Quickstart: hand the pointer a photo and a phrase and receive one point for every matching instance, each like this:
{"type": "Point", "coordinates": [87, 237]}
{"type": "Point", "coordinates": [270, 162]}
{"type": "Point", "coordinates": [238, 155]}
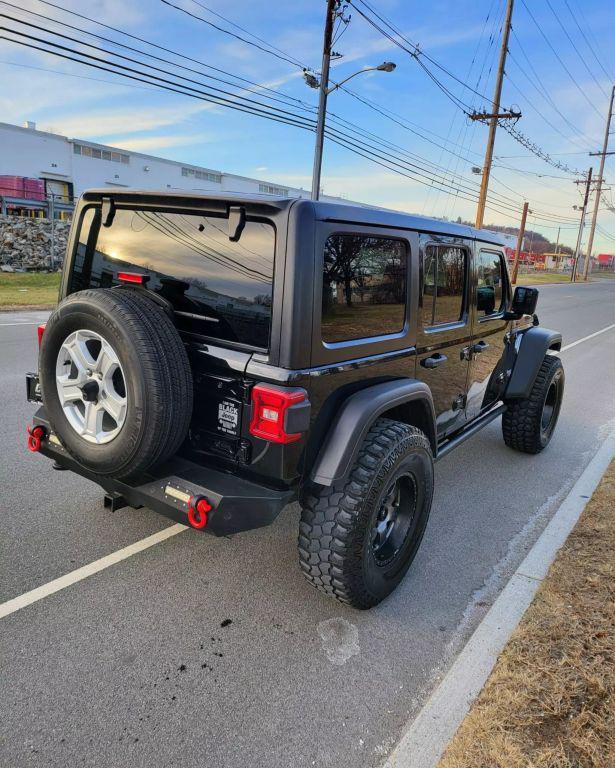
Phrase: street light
{"type": "Point", "coordinates": [325, 90]}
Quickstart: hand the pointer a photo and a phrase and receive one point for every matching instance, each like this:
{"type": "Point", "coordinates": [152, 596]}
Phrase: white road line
{"type": "Point", "coordinates": [88, 570]}
{"type": "Point", "coordinates": [428, 735]}
{"type": "Point", "coordinates": [586, 338]}
{"type": "Point", "coordinates": [26, 322]}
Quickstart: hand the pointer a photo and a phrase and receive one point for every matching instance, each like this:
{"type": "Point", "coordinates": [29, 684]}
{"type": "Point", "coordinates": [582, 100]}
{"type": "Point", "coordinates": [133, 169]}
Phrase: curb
{"type": "Point", "coordinates": [426, 737]}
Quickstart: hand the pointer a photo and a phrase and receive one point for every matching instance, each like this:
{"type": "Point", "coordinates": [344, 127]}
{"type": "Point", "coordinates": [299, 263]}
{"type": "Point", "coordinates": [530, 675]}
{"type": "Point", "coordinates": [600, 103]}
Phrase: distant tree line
{"type": "Point", "coordinates": [539, 243]}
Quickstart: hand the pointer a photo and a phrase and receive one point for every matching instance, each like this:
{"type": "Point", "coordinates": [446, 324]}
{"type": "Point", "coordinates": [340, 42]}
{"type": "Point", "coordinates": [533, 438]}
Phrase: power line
{"type": "Point", "coordinates": [358, 146]}
{"type": "Point", "coordinates": [251, 102]}
{"type": "Point", "coordinates": [573, 44]}
{"type": "Point", "coordinates": [138, 39]}
{"type": "Point", "coordinates": [236, 105]}
{"type": "Point", "coordinates": [559, 58]}
{"type": "Point", "coordinates": [98, 48]}
{"type": "Point", "coordinates": [532, 106]}
{"type": "Point", "coordinates": [243, 29]}
{"type": "Point", "coordinates": [538, 84]}
{"type": "Point", "coordinates": [536, 150]}
{"type": "Point", "coordinates": [247, 105]}
{"type": "Point", "coordinates": [589, 45]}
{"type": "Point", "coordinates": [416, 52]}
{"type": "Point", "coordinates": [212, 92]}
{"type": "Point", "coordinates": [269, 51]}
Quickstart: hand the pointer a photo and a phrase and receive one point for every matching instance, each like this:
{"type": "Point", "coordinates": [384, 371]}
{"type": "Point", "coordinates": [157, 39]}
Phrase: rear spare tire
{"type": "Point", "coordinates": [115, 381]}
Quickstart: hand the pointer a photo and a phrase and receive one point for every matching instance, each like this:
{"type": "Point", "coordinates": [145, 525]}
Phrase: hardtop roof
{"type": "Point", "coordinates": [324, 210]}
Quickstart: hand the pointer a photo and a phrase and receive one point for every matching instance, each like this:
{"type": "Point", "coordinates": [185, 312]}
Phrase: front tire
{"type": "Point", "coordinates": [528, 424]}
{"type": "Point", "coordinates": [358, 537]}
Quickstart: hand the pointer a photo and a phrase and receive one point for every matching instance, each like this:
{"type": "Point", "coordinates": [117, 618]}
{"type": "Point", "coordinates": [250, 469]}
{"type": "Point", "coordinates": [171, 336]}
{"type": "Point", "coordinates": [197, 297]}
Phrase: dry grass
{"type": "Point", "coordinates": [550, 701]}
{"type": "Point", "coordinates": [361, 320]}
{"type": "Point", "coordinates": [28, 289]}
{"type": "Point", "coordinates": [540, 278]}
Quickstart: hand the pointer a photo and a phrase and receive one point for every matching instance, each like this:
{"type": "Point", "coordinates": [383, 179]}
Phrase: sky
{"type": "Point", "coordinates": [561, 89]}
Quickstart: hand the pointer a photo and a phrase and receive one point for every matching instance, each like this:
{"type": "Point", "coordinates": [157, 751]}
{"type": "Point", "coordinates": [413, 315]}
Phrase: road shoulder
{"type": "Point", "coordinates": [429, 734]}
{"type": "Point", "coordinates": [551, 698]}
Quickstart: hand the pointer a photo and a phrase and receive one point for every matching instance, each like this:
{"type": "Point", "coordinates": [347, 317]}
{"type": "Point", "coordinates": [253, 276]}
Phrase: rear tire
{"type": "Point", "coordinates": [528, 424]}
{"type": "Point", "coordinates": [358, 537]}
{"type": "Point", "coordinates": [156, 380]}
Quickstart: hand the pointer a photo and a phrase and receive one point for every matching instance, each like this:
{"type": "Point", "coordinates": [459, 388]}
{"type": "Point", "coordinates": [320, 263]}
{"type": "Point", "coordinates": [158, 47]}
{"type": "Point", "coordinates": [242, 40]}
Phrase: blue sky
{"type": "Point", "coordinates": [461, 36]}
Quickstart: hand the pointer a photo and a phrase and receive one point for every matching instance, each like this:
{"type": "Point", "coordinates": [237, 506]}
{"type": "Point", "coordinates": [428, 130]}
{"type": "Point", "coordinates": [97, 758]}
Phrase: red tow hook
{"type": "Point", "coordinates": [198, 507]}
{"type": "Point", "coordinates": [35, 436]}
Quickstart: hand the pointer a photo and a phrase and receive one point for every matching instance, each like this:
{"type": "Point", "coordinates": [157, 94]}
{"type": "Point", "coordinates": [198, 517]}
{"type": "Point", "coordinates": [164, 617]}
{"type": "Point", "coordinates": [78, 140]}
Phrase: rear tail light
{"type": "Point", "coordinates": [136, 278]}
{"type": "Point", "coordinates": [279, 415]}
{"type": "Point", "coordinates": [40, 330]}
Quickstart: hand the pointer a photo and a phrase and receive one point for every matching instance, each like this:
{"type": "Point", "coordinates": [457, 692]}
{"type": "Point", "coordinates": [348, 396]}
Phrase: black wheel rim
{"type": "Point", "coordinates": [395, 519]}
{"type": "Point", "coordinates": [550, 407]}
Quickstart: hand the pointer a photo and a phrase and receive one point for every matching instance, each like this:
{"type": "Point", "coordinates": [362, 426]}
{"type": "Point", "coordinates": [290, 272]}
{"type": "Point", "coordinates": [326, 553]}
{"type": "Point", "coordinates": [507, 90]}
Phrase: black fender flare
{"type": "Point", "coordinates": [356, 416]}
{"type": "Point", "coordinates": [533, 346]}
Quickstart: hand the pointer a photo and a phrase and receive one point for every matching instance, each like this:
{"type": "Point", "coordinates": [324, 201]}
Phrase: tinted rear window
{"type": "Point", "coordinates": [218, 288]}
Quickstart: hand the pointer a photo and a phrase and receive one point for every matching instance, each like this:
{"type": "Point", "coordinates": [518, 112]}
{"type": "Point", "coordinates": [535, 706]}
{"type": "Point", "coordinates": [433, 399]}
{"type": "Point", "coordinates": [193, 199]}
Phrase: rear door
{"type": "Point", "coordinates": [220, 291]}
{"type": "Point", "coordinates": [489, 300]}
{"type": "Point", "coordinates": [445, 327]}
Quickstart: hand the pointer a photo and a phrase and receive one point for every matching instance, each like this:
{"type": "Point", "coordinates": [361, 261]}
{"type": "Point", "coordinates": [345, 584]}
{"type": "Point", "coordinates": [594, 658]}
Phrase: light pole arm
{"type": "Point", "coordinates": [346, 79]}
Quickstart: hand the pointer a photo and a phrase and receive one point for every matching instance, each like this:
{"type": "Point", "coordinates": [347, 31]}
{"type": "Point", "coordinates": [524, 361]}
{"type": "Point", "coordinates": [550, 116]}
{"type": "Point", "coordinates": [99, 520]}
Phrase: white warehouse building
{"type": "Point", "coordinates": [66, 167]}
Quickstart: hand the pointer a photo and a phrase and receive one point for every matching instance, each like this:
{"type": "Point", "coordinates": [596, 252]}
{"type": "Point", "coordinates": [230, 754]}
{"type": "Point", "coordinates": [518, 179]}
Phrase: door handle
{"type": "Point", "coordinates": [434, 361]}
{"type": "Point", "coordinates": [479, 347]}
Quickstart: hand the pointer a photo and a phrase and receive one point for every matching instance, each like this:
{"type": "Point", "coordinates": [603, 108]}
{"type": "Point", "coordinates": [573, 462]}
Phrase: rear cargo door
{"type": "Point", "coordinates": [220, 290]}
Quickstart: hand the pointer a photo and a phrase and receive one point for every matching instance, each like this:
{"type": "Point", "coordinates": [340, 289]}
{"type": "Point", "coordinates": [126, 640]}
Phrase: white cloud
{"type": "Point", "coordinates": [152, 144]}
{"type": "Point", "coordinates": [112, 122]}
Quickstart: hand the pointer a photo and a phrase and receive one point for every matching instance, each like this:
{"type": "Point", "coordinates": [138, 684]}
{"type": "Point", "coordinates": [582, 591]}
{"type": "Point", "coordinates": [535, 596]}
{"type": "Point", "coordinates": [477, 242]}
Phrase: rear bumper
{"type": "Point", "coordinates": [237, 504]}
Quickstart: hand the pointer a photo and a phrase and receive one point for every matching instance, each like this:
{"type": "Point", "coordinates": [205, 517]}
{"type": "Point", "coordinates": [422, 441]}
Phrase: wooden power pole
{"type": "Point", "coordinates": [519, 243]}
{"type": "Point", "coordinates": [577, 250]}
{"type": "Point", "coordinates": [603, 154]}
{"type": "Point", "coordinates": [493, 117]}
{"type": "Point", "coordinates": [322, 99]}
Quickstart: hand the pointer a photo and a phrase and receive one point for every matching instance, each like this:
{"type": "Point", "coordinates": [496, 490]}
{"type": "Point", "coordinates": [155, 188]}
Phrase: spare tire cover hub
{"type": "Point", "coordinates": [91, 386]}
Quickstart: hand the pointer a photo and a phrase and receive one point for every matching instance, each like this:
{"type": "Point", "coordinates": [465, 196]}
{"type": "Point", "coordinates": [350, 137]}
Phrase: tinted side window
{"type": "Point", "coordinates": [218, 288]}
{"type": "Point", "coordinates": [364, 287]}
{"type": "Point", "coordinates": [490, 270]}
{"type": "Point", "coordinates": [444, 271]}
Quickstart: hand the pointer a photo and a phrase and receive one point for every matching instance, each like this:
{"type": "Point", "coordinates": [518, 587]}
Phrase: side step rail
{"type": "Point", "coordinates": [475, 427]}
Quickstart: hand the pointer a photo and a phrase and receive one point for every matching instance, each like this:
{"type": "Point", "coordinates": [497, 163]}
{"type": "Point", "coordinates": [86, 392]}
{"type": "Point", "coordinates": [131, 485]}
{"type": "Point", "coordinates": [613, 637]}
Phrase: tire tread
{"type": "Point", "coordinates": [332, 519]}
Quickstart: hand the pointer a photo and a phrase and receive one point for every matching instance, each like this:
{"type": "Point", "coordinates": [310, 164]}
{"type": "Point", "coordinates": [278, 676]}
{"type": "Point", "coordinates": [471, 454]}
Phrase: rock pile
{"type": "Point", "coordinates": [26, 243]}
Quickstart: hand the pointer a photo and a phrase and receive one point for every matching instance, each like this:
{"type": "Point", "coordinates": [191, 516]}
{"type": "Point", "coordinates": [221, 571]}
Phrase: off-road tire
{"type": "Point", "coordinates": [522, 421]}
{"type": "Point", "coordinates": [335, 550]}
{"type": "Point", "coordinates": [157, 371]}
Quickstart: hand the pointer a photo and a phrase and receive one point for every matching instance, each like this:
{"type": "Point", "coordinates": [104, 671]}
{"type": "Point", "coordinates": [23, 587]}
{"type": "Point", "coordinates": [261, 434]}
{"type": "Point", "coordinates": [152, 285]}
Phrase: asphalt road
{"type": "Point", "coordinates": [131, 667]}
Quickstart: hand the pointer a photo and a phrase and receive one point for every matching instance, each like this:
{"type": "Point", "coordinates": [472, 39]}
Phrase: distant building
{"type": "Point", "coordinates": [65, 167]}
{"type": "Point", "coordinates": [605, 261]}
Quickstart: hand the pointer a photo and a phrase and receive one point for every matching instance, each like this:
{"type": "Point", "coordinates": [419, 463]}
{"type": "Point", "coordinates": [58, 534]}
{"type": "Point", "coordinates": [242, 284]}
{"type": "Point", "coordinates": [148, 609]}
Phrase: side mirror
{"type": "Point", "coordinates": [485, 299]}
{"type": "Point", "coordinates": [523, 303]}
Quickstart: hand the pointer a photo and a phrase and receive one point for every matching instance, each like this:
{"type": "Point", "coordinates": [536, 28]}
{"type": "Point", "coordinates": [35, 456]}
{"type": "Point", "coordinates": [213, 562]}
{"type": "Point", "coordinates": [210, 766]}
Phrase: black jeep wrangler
{"type": "Point", "coordinates": [215, 358]}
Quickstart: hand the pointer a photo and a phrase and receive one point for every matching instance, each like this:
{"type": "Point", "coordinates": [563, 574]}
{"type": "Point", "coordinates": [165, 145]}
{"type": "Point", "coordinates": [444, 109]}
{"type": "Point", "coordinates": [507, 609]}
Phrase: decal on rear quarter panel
{"type": "Point", "coordinates": [228, 418]}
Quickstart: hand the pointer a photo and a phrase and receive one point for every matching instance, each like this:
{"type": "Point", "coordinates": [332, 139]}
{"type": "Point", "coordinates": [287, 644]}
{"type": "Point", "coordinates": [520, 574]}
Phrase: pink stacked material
{"type": "Point", "coordinates": [19, 186]}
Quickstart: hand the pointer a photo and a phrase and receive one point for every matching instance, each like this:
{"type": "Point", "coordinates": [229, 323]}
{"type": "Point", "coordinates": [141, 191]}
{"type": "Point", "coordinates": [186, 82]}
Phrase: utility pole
{"type": "Point", "coordinates": [577, 250]}
{"type": "Point", "coordinates": [494, 117]}
{"type": "Point", "coordinates": [322, 99]}
{"type": "Point", "coordinates": [603, 154]}
{"type": "Point", "coordinates": [52, 214]}
{"type": "Point", "coordinates": [519, 243]}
